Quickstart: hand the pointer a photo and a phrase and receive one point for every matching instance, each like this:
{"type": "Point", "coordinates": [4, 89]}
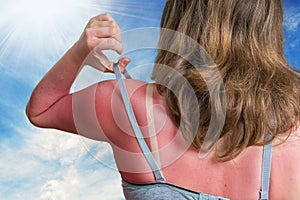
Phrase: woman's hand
{"type": "Point", "coordinates": [51, 97]}
{"type": "Point", "coordinates": [101, 33]}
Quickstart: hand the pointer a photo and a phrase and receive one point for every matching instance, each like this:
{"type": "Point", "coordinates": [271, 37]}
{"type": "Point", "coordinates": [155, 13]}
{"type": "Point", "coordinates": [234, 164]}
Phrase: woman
{"type": "Point", "coordinates": [262, 95]}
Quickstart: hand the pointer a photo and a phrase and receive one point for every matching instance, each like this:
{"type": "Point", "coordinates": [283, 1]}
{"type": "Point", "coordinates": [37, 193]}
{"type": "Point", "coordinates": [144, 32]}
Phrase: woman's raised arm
{"type": "Point", "coordinates": [50, 105]}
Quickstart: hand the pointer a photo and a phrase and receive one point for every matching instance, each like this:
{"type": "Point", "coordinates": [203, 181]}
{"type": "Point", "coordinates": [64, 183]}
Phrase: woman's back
{"type": "Point", "coordinates": [239, 178]}
{"type": "Point", "coordinates": [256, 93]}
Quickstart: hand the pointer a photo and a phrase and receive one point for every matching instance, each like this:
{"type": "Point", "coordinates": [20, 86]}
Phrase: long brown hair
{"type": "Point", "coordinates": [244, 39]}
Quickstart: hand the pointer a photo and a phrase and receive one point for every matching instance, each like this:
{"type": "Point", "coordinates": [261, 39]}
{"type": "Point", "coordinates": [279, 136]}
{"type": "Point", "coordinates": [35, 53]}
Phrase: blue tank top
{"type": "Point", "coordinates": [160, 189]}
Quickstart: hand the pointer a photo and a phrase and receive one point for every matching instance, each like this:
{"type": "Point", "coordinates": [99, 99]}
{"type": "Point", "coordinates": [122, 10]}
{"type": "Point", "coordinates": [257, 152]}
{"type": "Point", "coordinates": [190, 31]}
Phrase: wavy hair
{"type": "Point", "coordinates": [244, 39]}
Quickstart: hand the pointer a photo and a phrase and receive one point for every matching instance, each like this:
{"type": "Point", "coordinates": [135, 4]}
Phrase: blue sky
{"type": "Point", "coordinates": [49, 164]}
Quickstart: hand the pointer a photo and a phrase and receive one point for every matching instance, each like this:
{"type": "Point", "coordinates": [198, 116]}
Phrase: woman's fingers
{"type": "Point", "coordinates": [103, 32]}
{"type": "Point", "coordinates": [97, 60]}
{"type": "Point", "coordinates": [103, 17]}
{"type": "Point", "coordinates": [102, 63]}
{"type": "Point", "coordinates": [123, 62]}
{"type": "Point", "coordinates": [100, 27]}
{"type": "Point", "coordinates": [104, 26]}
{"type": "Point", "coordinates": [108, 44]}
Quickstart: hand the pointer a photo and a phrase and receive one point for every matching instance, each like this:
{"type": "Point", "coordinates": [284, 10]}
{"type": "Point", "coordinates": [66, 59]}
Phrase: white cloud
{"type": "Point", "coordinates": [50, 145]}
{"type": "Point", "coordinates": [50, 165]}
{"type": "Point", "coordinates": [78, 185]}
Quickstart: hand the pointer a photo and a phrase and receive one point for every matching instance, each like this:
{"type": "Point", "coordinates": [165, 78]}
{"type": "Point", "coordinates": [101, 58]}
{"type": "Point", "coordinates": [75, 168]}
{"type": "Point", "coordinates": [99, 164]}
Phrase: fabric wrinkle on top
{"type": "Point", "coordinates": [161, 190]}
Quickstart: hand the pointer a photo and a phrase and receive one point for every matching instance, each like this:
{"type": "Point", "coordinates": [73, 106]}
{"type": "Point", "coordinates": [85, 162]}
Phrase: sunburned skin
{"type": "Point", "coordinates": [97, 112]}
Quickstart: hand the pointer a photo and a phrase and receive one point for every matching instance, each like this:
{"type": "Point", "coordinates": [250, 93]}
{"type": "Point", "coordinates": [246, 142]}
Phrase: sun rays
{"type": "Point", "coordinates": [38, 32]}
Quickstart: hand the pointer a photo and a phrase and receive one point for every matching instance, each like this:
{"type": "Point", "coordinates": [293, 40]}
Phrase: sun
{"type": "Point", "coordinates": [39, 29]}
{"type": "Point", "coordinates": [36, 33]}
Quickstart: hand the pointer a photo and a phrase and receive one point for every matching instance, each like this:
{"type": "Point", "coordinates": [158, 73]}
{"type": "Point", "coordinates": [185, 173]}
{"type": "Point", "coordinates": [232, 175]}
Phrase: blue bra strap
{"type": "Point", "coordinates": [266, 170]}
{"type": "Point", "coordinates": [136, 129]}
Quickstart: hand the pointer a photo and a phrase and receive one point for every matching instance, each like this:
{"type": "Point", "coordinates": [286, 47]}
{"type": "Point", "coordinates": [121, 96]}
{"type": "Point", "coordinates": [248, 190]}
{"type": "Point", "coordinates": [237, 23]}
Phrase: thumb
{"type": "Point", "coordinates": [123, 62]}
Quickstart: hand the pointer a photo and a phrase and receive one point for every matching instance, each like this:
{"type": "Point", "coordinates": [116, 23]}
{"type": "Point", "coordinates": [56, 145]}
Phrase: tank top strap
{"type": "Point", "coordinates": [266, 169]}
{"type": "Point", "coordinates": [136, 129]}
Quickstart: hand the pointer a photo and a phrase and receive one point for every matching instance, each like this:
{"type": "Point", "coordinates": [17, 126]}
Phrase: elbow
{"type": "Point", "coordinates": [31, 117]}
{"type": "Point", "coordinates": [28, 113]}
{"type": "Point", "coordinates": [35, 121]}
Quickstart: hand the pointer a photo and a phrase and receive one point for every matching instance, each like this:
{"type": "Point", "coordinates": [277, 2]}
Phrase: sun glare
{"type": "Point", "coordinates": [39, 29]}
{"type": "Point", "coordinates": [37, 32]}
{"type": "Point", "coordinates": [40, 13]}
